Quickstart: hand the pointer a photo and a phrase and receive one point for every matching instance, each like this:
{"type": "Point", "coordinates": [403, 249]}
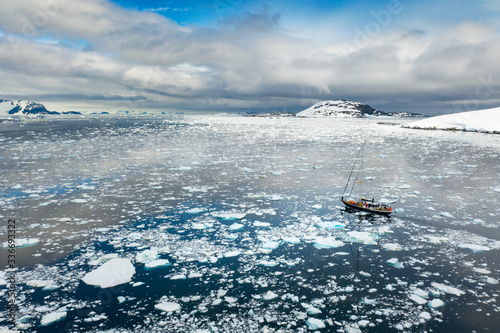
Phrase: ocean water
{"type": "Point", "coordinates": [247, 213]}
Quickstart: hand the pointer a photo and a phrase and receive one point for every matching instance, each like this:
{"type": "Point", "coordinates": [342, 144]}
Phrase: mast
{"type": "Point", "coordinates": [359, 156]}
{"type": "Point", "coordinates": [352, 170]}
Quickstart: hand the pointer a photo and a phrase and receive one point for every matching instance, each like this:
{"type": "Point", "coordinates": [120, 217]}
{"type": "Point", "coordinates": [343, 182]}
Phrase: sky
{"type": "Point", "coordinates": [429, 57]}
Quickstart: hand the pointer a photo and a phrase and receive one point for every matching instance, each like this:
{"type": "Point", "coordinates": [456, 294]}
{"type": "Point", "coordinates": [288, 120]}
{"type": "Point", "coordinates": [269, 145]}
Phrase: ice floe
{"type": "Point", "coordinates": [112, 273]}
{"type": "Point", "coordinates": [168, 306]}
{"type": "Point", "coordinates": [53, 317]}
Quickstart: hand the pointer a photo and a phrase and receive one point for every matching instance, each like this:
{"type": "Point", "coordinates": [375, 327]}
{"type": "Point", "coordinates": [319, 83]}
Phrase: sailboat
{"type": "Point", "coordinates": [363, 204]}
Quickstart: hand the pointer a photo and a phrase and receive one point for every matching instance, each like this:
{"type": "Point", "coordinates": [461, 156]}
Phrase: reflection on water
{"type": "Point", "coordinates": [285, 255]}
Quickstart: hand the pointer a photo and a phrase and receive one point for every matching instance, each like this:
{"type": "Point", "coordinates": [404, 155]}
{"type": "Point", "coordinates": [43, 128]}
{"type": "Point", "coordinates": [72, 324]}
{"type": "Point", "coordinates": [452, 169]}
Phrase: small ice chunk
{"type": "Point", "coordinates": [146, 256]}
{"type": "Point", "coordinates": [236, 226]}
{"type": "Point", "coordinates": [39, 283]}
{"type": "Point", "coordinates": [179, 277]}
{"type": "Point", "coordinates": [168, 306]}
{"type": "Point", "coordinates": [270, 245]}
{"type": "Point", "coordinates": [392, 247]}
{"type": "Point", "coordinates": [327, 242]}
{"type": "Point", "coordinates": [363, 323]}
{"type": "Point", "coordinates": [446, 214]}
{"type": "Point", "coordinates": [417, 299]}
{"type": "Point", "coordinates": [121, 299]}
{"type": "Point", "coordinates": [195, 210]}
{"type": "Point", "coordinates": [230, 299]}
{"type": "Point", "coordinates": [232, 254]}
{"type": "Point", "coordinates": [229, 216]}
{"type": "Point", "coordinates": [53, 317]}
{"type": "Point", "coordinates": [447, 289]}
{"type": "Point", "coordinates": [268, 263]}
{"type": "Point", "coordinates": [157, 263]}
{"type": "Point", "coordinates": [491, 280]}
{"type": "Point", "coordinates": [425, 316]}
{"type": "Point", "coordinates": [198, 226]}
{"type": "Point", "coordinates": [112, 273]}
{"type": "Point", "coordinates": [435, 303]}
{"type": "Point", "coordinates": [330, 225]}
{"type": "Point", "coordinates": [395, 262]}
{"type": "Point", "coordinates": [363, 237]}
{"type": "Point", "coordinates": [315, 324]}
{"type": "Point", "coordinates": [22, 242]}
{"type": "Point", "coordinates": [436, 239]}
{"type": "Point", "coordinates": [481, 270]}
{"type": "Point", "coordinates": [261, 224]}
{"type": "Point", "coordinates": [475, 248]}
{"type": "Point", "coordinates": [194, 275]}
{"type": "Point", "coordinates": [269, 296]}
{"type": "Point", "coordinates": [291, 240]}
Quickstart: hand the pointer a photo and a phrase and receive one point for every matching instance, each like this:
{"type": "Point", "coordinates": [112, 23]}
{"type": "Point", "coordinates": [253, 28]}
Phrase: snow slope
{"type": "Point", "coordinates": [487, 120]}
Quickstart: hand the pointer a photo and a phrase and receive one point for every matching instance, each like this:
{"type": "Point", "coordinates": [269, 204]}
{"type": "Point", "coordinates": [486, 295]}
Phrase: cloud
{"type": "Point", "coordinates": [250, 60]}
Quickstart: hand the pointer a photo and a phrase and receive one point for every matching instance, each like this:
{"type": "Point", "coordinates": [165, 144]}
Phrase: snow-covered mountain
{"type": "Point", "coordinates": [11, 108]}
{"type": "Point", "coordinates": [487, 120]}
{"type": "Point", "coordinates": [340, 108]}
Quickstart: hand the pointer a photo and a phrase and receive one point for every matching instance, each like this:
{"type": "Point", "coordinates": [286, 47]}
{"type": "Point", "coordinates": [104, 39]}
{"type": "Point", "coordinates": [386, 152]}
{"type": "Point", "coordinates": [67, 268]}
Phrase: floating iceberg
{"type": "Point", "coordinates": [363, 237]}
{"type": "Point", "coordinates": [146, 256]}
{"type": "Point", "coordinates": [447, 289]}
{"type": "Point", "coordinates": [327, 242]}
{"type": "Point", "coordinates": [157, 263]}
{"type": "Point", "coordinates": [475, 248]}
{"type": "Point", "coordinates": [236, 226]}
{"type": "Point", "coordinates": [270, 245]}
{"type": "Point", "coordinates": [229, 216]}
{"type": "Point", "coordinates": [315, 324]}
{"type": "Point", "coordinates": [22, 242]}
{"type": "Point", "coordinates": [53, 317]}
{"type": "Point", "coordinates": [168, 306]}
{"type": "Point", "coordinates": [269, 296]}
{"type": "Point", "coordinates": [112, 273]}
{"type": "Point", "coordinates": [331, 225]}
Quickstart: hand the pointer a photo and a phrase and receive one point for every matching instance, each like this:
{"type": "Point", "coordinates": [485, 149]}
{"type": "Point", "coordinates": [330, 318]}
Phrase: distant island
{"type": "Point", "coordinates": [339, 108]}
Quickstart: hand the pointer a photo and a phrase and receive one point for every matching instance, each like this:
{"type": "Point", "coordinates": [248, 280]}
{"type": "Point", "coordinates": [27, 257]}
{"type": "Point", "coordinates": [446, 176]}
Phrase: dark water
{"type": "Point", "coordinates": [90, 187]}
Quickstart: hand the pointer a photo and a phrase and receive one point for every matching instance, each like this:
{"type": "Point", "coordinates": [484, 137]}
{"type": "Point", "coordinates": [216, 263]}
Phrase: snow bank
{"type": "Point", "coordinates": [112, 273]}
{"type": "Point", "coordinates": [482, 120]}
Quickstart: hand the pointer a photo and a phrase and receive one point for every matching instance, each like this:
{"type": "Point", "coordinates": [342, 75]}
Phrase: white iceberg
{"type": "Point", "coordinates": [157, 263]}
{"type": "Point", "coordinates": [112, 273]}
{"type": "Point", "coordinates": [269, 296]}
{"type": "Point", "coordinates": [363, 237]}
{"type": "Point", "coordinates": [229, 216]}
{"type": "Point", "coordinates": [168, 306]}
{"type": "Point", "coordinates": [475, 248]}
{"type": "Point", "coordinates": [146, 256]}
{"type": "Point", "coordinates": [53, 317]}
{"type": "Point", "coordinates": [270, 245]}
{"type": "Point", "coordinates": [236, 226]}
{"type": "Point", "coordinates": [315, 324]}
{"type": "Point", "coordinates": [327, 242]}
{"type": "Point", "coordinates": [448, 289]}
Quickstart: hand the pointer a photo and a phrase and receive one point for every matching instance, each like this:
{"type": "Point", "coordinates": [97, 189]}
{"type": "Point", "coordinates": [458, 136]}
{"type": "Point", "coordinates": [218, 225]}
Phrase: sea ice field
{"type": "Point", "coordinates": [213, 223]}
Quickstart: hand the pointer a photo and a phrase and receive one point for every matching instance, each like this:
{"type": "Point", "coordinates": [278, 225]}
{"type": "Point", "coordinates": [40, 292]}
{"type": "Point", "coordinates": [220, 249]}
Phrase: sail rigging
{"type": "Point", "coordinates": [363, 204]}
